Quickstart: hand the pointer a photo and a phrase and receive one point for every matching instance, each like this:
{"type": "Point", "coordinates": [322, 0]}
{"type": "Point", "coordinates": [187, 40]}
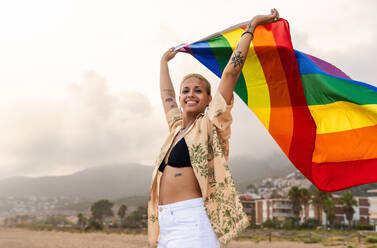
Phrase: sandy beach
{"type": "Point", "coordinates": [23, 238]}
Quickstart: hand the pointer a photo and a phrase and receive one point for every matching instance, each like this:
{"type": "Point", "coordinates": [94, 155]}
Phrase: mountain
{"type": "Point", "coordinates": [110, 181]}
{"type": "Point", "coordinates": [246, 170]}
{"type": "Point", "coordinates": [117, 181]}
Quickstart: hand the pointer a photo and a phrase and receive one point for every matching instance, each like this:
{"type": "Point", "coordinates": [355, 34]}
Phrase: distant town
{"type": "Point", "coordinates": [294, 198]}
{"type": "Point", "coordinates": [279, 202]}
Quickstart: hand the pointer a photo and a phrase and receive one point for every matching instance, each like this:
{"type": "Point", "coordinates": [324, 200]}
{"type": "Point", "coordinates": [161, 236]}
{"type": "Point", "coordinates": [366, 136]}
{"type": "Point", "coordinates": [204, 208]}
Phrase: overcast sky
{"type": "Point", "coordinates": [80, 79]}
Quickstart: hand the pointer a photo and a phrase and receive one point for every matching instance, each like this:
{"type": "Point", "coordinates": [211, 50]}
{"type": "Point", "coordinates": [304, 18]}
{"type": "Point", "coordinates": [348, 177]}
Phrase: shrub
{"type": "Point", "coordinates": [310, 224]}
{"type": "Point", "coordinates": [372, 240]}
{"type": "Point", "coordinates": [313, 240]}
{"type": "Point", "coordinates": [340, 226]}
{"type": "Point", "coordinates": [253, 225]}
{"type": "Point", "coordinates": [290, 224]}
{"type": "Point", "coordinates": [362, 226]}
{"type": "Point", "coordinates": [93, 224]}
{"type": "Point", "coordinates": [272, 223]}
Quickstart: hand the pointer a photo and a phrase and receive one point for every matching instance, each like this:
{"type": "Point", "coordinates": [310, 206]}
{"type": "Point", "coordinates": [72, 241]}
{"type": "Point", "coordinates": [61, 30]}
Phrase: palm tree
{"type": "Point", "coordinates": [294, 195]}
{"type": "Point", "coordinates": [329, 208]}
{"type": "Point", "coordinates": [81, 221]}
{"type": "Point", "coordinates": [305, 199]}
{"type": "Point", "coordinates": [318, 200]}
{"type": "Point", "coordinates": [348, 201]}
{"type": "Point", "coordinates": [121, 213]}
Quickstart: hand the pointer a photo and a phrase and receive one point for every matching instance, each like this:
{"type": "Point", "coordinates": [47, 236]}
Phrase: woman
{"type": "Point", "coordinates": [193, 201]}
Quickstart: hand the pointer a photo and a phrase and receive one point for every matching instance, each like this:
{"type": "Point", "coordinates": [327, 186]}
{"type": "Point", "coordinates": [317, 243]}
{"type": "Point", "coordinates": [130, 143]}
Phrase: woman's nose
{"type": "Point", "coordinates": [191, 93]}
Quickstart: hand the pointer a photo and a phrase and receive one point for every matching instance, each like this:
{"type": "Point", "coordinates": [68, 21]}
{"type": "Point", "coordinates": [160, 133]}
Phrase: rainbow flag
{"type": "Point", "coordinates": [322, 120]}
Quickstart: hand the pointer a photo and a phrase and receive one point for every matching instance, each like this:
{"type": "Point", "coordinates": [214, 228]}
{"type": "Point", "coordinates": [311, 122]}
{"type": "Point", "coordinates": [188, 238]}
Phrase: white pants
{"type": "Point", "coordinates": [185, 224]}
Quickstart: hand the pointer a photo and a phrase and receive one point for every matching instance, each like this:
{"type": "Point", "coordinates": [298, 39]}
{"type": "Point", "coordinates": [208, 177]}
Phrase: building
{"type": "Point", "coordinates": [279, 208]}
{"type": "Point", "coordinates": [373, 210]}
{"type": "Point", "coordinates": [248, 204]}
{"type": "Point", "coordinates": [260, 210]}
{"type": "Point", "coordinates": [361, 211]}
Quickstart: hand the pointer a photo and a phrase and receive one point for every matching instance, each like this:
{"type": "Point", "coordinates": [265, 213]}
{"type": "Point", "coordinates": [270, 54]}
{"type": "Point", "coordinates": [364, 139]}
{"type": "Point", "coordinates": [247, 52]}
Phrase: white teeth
{"type": "Point", "coordinates": [191, 102]}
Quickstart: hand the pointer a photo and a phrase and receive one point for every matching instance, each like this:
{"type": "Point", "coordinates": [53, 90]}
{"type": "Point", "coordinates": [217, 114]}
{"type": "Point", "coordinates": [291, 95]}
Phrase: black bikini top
{"type": "Point", "coordinates": [179, 156]}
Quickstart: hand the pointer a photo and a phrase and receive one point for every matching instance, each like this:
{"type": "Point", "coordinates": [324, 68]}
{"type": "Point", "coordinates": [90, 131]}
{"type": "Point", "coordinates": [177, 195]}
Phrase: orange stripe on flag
{"type": "Point", "coordinates": [281, 120]}
{"type": "Point", "coordinates": [355, 144]}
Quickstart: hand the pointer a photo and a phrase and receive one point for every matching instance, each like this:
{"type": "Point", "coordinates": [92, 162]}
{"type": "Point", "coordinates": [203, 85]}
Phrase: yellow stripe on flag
{"type": "Point", "coordinates": [257, 89]}
{"type": "Point", "coordinates": [343, 116]}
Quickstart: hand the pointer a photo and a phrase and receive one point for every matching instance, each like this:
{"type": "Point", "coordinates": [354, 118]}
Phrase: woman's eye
{"type": "Point", "coordinates": [185, 91]}
{"type": "Point", "coordinates": [199, 91]}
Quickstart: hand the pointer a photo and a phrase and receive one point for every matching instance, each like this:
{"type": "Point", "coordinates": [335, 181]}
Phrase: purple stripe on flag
{"type": "Point", "coordinates": [327, 67]}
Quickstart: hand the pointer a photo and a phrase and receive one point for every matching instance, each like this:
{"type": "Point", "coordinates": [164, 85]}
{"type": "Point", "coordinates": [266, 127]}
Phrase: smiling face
{"type": "Point", "coordinates": [193, 97]}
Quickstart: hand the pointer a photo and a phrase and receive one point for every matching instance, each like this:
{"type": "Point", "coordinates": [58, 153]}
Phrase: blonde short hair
{"type": "Point", "coordinates": [200, 77]}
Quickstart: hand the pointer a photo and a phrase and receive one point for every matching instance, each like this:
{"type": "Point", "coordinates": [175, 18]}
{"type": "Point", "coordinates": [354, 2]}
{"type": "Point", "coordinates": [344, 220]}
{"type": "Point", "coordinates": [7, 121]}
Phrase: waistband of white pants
{"type": "Point", "coordinates": [195, 202]}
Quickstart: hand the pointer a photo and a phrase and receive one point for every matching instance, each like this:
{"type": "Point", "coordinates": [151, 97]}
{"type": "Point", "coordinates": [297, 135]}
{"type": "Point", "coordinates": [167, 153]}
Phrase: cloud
{"type": "Point", "coordinates": [89, 127]}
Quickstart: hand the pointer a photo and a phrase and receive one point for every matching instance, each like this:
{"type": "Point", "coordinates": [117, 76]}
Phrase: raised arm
{"type": "Point", "coordinates": [166, 87]}
{"type": "Point", "coordinates": [234, 67]}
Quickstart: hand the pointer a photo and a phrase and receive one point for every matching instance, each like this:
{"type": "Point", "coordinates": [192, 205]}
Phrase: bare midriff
{"type": "Point", "coordinates": [178, 184]}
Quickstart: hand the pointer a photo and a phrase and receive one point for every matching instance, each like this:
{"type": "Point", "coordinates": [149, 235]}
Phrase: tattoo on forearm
{"type": "Point", "coordinates": [169, 99]}
{"type": "Point", "coordinates": [173, 105]}
{"type": "Point", "coordinates": [177, 174]}
{"type": "Point", "coordinates": [237, 59]}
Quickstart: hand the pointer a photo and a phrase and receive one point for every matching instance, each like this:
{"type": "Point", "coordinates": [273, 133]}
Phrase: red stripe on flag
{"type": "Point", "coordinates": [341, 175]}
{"type": "Point", "coordinates": [304, 131]}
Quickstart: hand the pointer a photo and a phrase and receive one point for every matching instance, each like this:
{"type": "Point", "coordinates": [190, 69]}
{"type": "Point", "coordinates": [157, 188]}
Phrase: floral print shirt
{"type": "Point", "coordinates": [208, 144]}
